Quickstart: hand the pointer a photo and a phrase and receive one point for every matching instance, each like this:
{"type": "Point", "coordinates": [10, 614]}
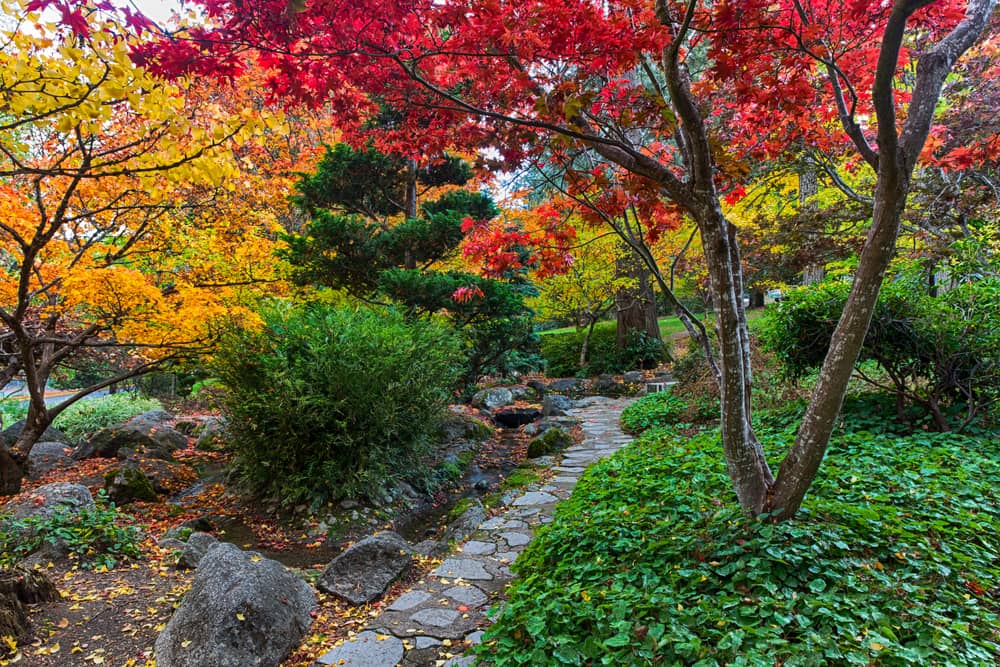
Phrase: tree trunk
{"type": "Point", "coordinates": [745, 461]}
{"type": "Point", "coordinates": [815, 271]}
{"type": "Point", "coordinates": [411, 207]}
{"type": "Point", "coordinates": [800, 466]}
{"type": "Point", "coordinates": [635, 305]}
{"type": "Point", "coordinates": [585, 347]}
{"type": "Point", "coordinates": [18, 587]}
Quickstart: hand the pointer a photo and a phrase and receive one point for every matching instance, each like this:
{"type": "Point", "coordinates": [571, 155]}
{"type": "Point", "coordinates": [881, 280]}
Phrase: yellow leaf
{"type": "Point", "coordinates": [241, 617]}
{"type": "Point", "coordinates": [875, 646]}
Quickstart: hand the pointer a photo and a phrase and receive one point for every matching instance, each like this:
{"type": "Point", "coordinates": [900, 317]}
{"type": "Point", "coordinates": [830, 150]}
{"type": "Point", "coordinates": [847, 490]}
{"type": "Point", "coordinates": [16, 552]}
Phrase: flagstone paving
{"type": "Point", "coordinates": [444, 613]}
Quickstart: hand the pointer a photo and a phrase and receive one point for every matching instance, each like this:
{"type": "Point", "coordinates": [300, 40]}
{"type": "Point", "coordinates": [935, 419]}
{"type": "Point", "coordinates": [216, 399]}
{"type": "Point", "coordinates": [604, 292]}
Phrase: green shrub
{"type": "Point", "coordinates": [325, 402]}
{"type": "Point", "coordinates": [96, 536]}
{"type": "Point", "coordinates": [562, 352]}
{"type": "Point", "coordinates": [660, 409]}
{"type": "Point", "coordinates": [941, 353]}
{"type": "Point", "coordinates": [892, 561]}
{"type": "Point", "coordinates": [12, 410]}
{"type": "Point", "coordinates": [90, 415]}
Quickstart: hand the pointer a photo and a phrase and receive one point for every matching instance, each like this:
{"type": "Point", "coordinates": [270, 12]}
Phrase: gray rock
{"type": "Point", "coordinates": [364, 571]}
{"type": "Point", "coordinates": [48, 456]}
{"type": "Point", "coordinates": [147, 434]}
{"type": "Point", "coordinates": [242, 610]}
{"type": "Point", "coordinates": [535, 498]}
{"type": "Point", "coordinates": [555, 405]}
{"type": "Point", "coordinates": [477, 548]}
{"type": "Point", "coordinates": [516, 539]}
{"type": "Point", "coordinates": [493, 398]}
{"type": "Point", "coordinates": [171, 543]}
{"type": "Point", "coordinates": [10, 435]}
{"type": "Point", "coordinates": [474, 638]}
{"type": "Point", "coordinates": [467, 595]}
{"type": "Point", "coordinates": [409, 600]}
{"type": "Point", "coordinates": [48, 499]}
{"type": "Point", "coordinates": [197, 547]}
{"type": "Point", "coordinates": [128, 483]}
{"type": "Point", "coordinates": [524, 393]}
{"type": "Point", "coordinates": [551, 440]}
{"type": "Point", "coordinates": [457, 426]}
{"type": "Point", "coordinates": [463, 568]}
{"type": "Point", "coordinates": [430, 547]}
{"type": "Point", "coordinates": [436, 617]}
{"type": "Point", "coordinates": [468, 522]}
{"type": "Point", "coordinates": [368, 649]}
{"type": "Point", "coordinates": [633, 377]}
{"type": "Point", "coordinates": [569, 386]}
{"type": "Point", "coordinates": [212, 435]}
{"type": "Point", "coordinates": [422, 642]}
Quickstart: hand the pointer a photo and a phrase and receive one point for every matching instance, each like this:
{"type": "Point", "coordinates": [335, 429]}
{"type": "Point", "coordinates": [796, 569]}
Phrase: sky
{"type": "Point", "coordinates": [158, 10]}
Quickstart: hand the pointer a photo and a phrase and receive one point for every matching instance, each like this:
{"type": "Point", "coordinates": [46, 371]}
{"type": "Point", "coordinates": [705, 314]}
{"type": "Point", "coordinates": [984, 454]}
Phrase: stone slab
{"type": "Point", "coordinates": [409, 600]}
{"type": "Point", "coordinates": [368, 649]}
{"type": "Point", "coordinates": [467, 595]}
{"type": "Point", "coordinates": [535, 498]}
{"type": "Point", "coordinates": [462, 568]}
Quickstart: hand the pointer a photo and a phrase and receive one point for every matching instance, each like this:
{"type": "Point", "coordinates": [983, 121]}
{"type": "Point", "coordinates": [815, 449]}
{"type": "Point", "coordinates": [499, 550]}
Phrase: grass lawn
{"type": "Point", "coordinates": [668, 325]}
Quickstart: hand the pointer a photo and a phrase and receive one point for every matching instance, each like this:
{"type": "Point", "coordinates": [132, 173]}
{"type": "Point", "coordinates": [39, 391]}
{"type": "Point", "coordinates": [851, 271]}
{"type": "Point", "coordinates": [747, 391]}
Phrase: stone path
{"type": "Point", "coordinates": [444, 613]}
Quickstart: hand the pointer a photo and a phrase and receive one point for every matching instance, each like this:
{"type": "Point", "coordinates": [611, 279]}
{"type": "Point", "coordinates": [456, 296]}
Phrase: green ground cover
{"type": "Point", "coordinates": [893, 560]}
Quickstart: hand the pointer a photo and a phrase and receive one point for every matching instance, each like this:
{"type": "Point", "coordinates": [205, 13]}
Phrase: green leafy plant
{"type": "Point", "coordinates": [561, 352]}
{"type": "Point", "coordinates": [938, 353]}
{"type": "Point", "coordinates": [88, 416]}
{"type": "Point", "coordinates": [652, 562]}
{"type": "Point", "coordinates": [660, 409]}
{"type": "Point", "coordinates": [325, 403]}
{"type": "Point", "coordinates": [98, 536]}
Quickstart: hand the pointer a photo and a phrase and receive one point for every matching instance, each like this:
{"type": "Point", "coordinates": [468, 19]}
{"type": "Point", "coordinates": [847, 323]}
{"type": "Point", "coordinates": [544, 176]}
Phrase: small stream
{"type": "Point", "coordinates": [425, 519]}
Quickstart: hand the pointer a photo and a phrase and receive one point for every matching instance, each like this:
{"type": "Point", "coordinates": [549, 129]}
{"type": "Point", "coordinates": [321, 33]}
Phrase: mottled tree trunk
{"type": "Point", "coordinates": [635, 305]}
{"type": "Point", "coordinates": [815, 271]}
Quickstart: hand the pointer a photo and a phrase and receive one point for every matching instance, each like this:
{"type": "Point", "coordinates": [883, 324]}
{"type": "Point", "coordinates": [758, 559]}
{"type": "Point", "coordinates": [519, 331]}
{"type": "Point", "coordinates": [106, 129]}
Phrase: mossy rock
{"type": "Point", "coordinates": [551, 441]}
{"type": "Point", "coordinates": [128, 484]}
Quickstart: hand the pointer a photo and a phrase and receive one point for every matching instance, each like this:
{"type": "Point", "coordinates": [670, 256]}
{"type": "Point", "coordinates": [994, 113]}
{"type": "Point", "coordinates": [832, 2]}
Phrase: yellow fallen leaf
{"type": "Point", "coordinates": [241, 617]}
{"type": "Point", "coordinates": [63, 623]}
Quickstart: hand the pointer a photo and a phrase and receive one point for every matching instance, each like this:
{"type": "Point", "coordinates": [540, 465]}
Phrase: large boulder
{"type": "Point", "coordinates": [555, 404]}
{"type": "Point", "coordinates": [364, 571]}
{"type": "Point", "coordinates": [48, 456]}
{"type": "Point", "coordinates": [551, 441]}
{"type": "Point", "coordinates": [242, 611]}
{"type": "Point", "coordinates": [48, 499]}
{"type": "Point", "coordinates": [147, 433]}
{"type": "Point", "coordinates": [456, 426]}
{"type": "Point", "coordinates": [128, 483]}
{"type": "Point", "coordinates": [493, 398]}
{"type": "Point", "coordinates": [212, 435]}
{"type": "Point", "coordinates": [10, 435]}
{"type": "Point", "coordinates": [467, 522]}
{"type": "Point", "coordinates": [197, 547]}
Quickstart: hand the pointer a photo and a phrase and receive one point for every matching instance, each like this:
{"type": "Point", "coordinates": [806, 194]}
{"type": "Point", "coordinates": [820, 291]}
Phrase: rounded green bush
{"type": "Point", "coordinates": [325, 402]}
